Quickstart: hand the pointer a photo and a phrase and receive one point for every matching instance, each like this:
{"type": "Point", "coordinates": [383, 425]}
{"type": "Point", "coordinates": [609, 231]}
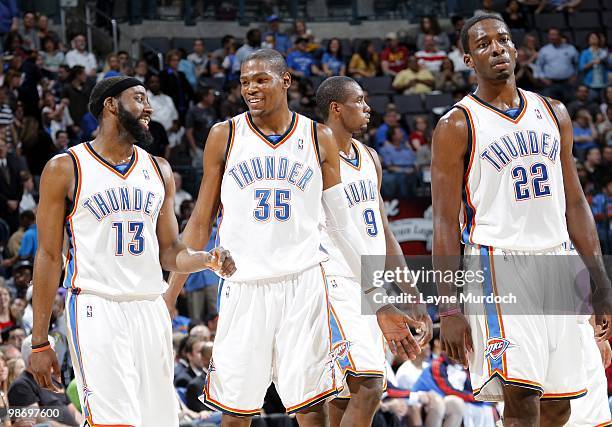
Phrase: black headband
{"type": "Point", "coordinates": [96, 103]}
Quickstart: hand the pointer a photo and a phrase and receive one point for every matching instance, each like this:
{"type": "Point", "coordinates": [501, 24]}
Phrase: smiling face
{"type": "Point", "coordinates": [133, 112]}
{"type": "Point", "coordinates": [492, 54]}
{"type": "Point", "coordinates": [263, 88]}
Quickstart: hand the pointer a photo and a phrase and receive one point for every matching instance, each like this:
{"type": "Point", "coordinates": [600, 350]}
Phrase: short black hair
{"type": "Point", "coordinates": [331, 90]}
{"type": "Point", "coordinates": [270, 56]}
{"type": "Point", "coordinates": [470, 23]}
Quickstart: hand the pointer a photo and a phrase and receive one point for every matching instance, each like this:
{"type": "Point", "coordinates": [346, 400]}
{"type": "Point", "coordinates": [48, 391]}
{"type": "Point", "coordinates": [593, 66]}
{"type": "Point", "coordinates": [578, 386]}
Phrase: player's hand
{"type": "Point", "coordinates": [606, 353]}
{"type": "Point", "coordinates": [44, 366]}
{"type": "Point", "coordinates": [221, 262]}
{"type": "Point", "coordinates": [425, 331]}
{"type": "Point", "coordinates": [395, 327]}
{"type": "Point", "coordinates": [602, 305]}
{"type": "Point", "coordinates": [456, 338]}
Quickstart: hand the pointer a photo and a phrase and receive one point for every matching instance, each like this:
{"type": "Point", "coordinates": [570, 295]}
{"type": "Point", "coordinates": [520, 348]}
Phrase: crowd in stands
{"type": "Point", "coordinates": [410, 80]}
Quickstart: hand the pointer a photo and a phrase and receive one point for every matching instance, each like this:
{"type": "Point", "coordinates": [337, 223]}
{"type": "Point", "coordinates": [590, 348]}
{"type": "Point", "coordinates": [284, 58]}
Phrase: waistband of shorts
{"type": "Point", "coordinates": [544, 251]}
{"type": "Point", "coordinates": [274, 279]}
{"type": "Point", "coordinates": [116, 298]}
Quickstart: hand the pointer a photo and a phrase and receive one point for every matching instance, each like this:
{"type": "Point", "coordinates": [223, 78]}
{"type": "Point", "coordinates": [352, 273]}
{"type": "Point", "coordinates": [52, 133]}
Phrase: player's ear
{"type": "Point", "coordinates": [111, 104]}
{"type": "Point", "coordinates": [467, 60]}
{"type": "Point", "coordinates": [286, 80]}
{"type": "Point", "coordinates": [334, 108]}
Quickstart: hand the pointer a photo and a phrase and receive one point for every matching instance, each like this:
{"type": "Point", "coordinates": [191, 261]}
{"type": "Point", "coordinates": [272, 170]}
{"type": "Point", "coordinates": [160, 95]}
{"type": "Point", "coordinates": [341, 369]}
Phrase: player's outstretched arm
{"type": "Point", "coordinates": [198, 229]}
{"type": "Point", "coordinates": [450, 142]}
{"type": "Point", "coordinates": [395, 259]}
{"type": "Point", "coordinates": [581, 225]}
{"type": "Point", "coordinates": [56, 184]}
{"type": "Point", "coordinates": [174, 254]}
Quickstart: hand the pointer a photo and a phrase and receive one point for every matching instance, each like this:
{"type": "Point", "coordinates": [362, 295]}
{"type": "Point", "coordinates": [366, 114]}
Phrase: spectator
{"type": "Point", "coordinates": [80, 56]}
{"type": "Point", "coordinates": [6, 113]}
{"type": "Point", "coordinates": [581, 100]}
{"type": "Point", "coordinates": [200, 331]}
{"type": "Point", "coordinates": [253, 41]}
{"type": "Point", "coordinates": [233, 104]}
{"type": "Point", "coordinates": [175, 136]}
{"type": "Point", "coordinates": [63, 78]}
{"type": "Point", "coordinates": [29, 243]}
{"type": "Point", "coordinates": [15, 367]}
{"type": "Point", "coordinates": [513, 16]}
{"type": "Point", "coordinates": [601, 206]}
{"type": "Point", "coordinates": [54, 117]}
{"type": "Point", "coordinates": [390, 120]}
{"type": "Point", "coordinates": [199, 58]}
{"type": "Point", "coordinates": [593, 165]}
{"type": "Point", "coordinates": [164, 111]}
{"type": "Point", "coordinates": [6, 320]}
{"type": "Point", "coordinates": [61, 141]}
{"type": "Point", "coordinates": [8, 20]}
{"type": "Point", "coordinates": [333, 60]}
{"type": "Point", "coordinates": [111, 67]}
{"type": "Point", "coordinates": [300, 62]}
{"type": "Point", "coordinates": [188, 68]}
{"type": "Point", "coordinates": [486, 8]}
{"type": "Point", "coordinates": [88, 127]}
{"type": "Point", "coordinates": [29, 199]}
{"type": "Point", "coordinates": [594, 66]}
{"type": "Point", "coordinates": [398, 166]}
{"type": "Point", "coordinates": [18, 309]}
{"type": "Point", "coordinates": [300, 31]}
{"type": "Point", "coordinates": [447, 80]}
{"type": "Point", "coordinates": [524, 73]}
{"type": "Point", "coordinates": [457, 21]}
{"type": "Point", "coordinates": [414, 79]}
{"type": "Point", "coordinates": [9, 352]}
{"type": "Point", "coordinates": [36, 145]}
{"type": "Point", "coordinates": [5, 420]}
{"type": "Point", "coordinates": [364, 62]}
{"type": "Point", "coordinates": [193, 355]}
{"type": "Point", "coordinates": [282, 42]}
{"type": "Point", "coordinates": [531, 47]}
{"type": "Point", "coordinates": [585, 134]}
{"type": "Point", "coordinates": [10, 187]}
{"type": "Point", "coordinates": [431, 57]}
{"type": "Point", "coordinates": [125, 63]}
{"type": "Point", "coordinates": [77, 93]}
{"type": "Point", "coordinates": [393, 57]}
{"type": "Point", "coordinates": [141, 71]}
{"type": "Point", "coordinates": [557, 5]}
{"type": "Point", "coordinates": [25, 391]}
{"type": "Point", "coordinates": [557, 63]}
{"type": "Point", "coordinates": [430, 26]}
{"type": "Point", "coordinates": [29, 32]}
{"type": "Point", "coordinates": [218, 56]}
{"type": "Point", "coordinates": [604, 129]}
{"type": "Point", "coordinates": [421, 134]}
{"type": "Point", "coordinates": [17, 334]}
{"type": "Point", "coordinates": [26, 218]}
{"type": "Point", "coordinates": [174, 83]}
{"type": "Point", "coordinates": [201, 288]}
{"type": "Point", "coordinates": [51, 56]}
{"type": "Point", "coordinates": [180, 195]}
{"type": "Point", "coordinates": [200, 118]}
{"type": "Point", "coordinates": [269, 42]}
{"type": "Point", "coordinates": [43, 30]}
{"type": "Point", "coordinates": [229, 64]}
{"type": "Point", "coordinates": [196, 385]}
{"type": "Point", "coordinates": [19, 282]}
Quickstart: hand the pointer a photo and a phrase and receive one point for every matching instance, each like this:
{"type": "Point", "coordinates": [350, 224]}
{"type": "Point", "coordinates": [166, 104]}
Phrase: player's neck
{"type": "Point", "coordinates": [343, 137]}
{"type": "Point", "coordinates": [274, 124]}
{"type": "Point", "coordinates": [114, 145]}
{"type": "Point", "coordinates": [503, 95]}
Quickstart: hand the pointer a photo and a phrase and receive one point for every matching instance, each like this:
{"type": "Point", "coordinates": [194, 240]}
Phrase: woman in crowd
{"type": "Point", "coordinates": [594, 66]}
{"type": "Point", "coordinates": [333, 61]}
{"type": "Point", "coordinates": [364, 62]}
{"type": "Point", "coordinates": [447, 80]}
{"type": "Point", "coordinates": [52, 56]}
{"type": "Point", "coordinates": [430, 26]}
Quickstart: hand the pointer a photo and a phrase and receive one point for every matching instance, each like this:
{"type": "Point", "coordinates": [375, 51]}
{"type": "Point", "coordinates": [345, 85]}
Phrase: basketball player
{"type": "Point", "coordinates": [116, 202]}
{"type": "Point", "coordinates": [508, 154]}
{"type": "Point", "coordinates": [270, 171]}
{"type": "Point", "coordinates": [341, 102]}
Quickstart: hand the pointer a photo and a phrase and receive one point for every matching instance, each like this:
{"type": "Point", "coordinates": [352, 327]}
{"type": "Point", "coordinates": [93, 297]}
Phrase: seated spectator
{"type": "Point", "coordinates": [76, 93]}
{"type": "Point", "coordinates": [19, 282]}
{"type": "Point", "coordinates": [193, 356]}
{"type": "Point", "coordinates": [141, 70]}
{"type": "Point", "coordinates": [593, 64]}
{"type": "Point", "coordinates": [29, 198]}
{"type": "Point", "coordinates": [199, 58]}
{"type": "Point", "coordinates": [531, 47]}
{"type": "Point", "coordinates": [188, 68]}
{"type": "Point", "coordinates": [557, 62]}
{"type": "Point", "coordinates": [430, 56]}
{"type": "Point", "coordinates": [176, 138]}
{"type": "Point", "coordinates": [44, 32]}
{"type": "Point", "coordinates": [421, 133]}
{"type": "Point", "coordinates": [525, 72]}
{"type": "Point", "coordinates": [301, 62]}
{"type": "Point", "coordinates": [174, 83]}
{"type": "Point", "coordinates": [456, 56]}
{"type": "Point", "coordinates": [218, 56]}
{"type": "Point", "coordinates": [6, 319]}
{"type": "Point", "coordinates": [200, 118]}
{"type": "Point", "coordinates": [300, 31]}
{"type": "Point", "coordinates": [18, 309]}
{"type": "Point", "coordinates": [585, 134]}
{"type": "Point", "coordinates": [111, 67]}
{"type": "Point", "coordinates": [391, 119]}
{"type": "Point", "coordinates": [196, 385]}
{"type": "Point", "coordinates": [581, 100]}
{"type": "Point", "coordinates": [29, 243]}
{"type": "Point", "coordinates": [16, 335]}
{"type": "Point", "coordinates": [394, 57]}
{"type": "Point", "coordinates": [229, 64]}
{"type": "Point", "coordinates": [180, 195]}
{"type": "Point", "coordinates": [414, 79]}
{"type": "Point", "coordinates": [601, 206]}
{"type": "Point", "coordinates": [282, 42]}
{"type": "Point", "coordinates": [26, 392]}
{"type": "Point", "coordinates": [26, 218]}
{"type": "Point", "coordinates": [430, 26]}
{"type": "Point", "coordinates": [486, 8]}
{"type": "Point", "coordinates": [36, 145]}
{"type": "Point", "coordinates": [29, 32]}
{"type": "Point", "coordinates": [398, 159]}
{"type": "Point", "coordinates": [80, 56]}
{"type": "Point", "coordinates": [447, 80]}
{"type": "Point", "coordinates": [269, 42]}
{"type": "Point", "coordinates": [252, 43]}
{"type": "Point", "coordinates": [597, 173]}
{"type": "Point", "coordinates": [333, 60]}
{"type": "Point", "coordinates": [604, 128]}
{"type": "Point", "coordinates": [55, 117]}
{"type": "Point", "coordinates": [364, 62]}
{"type": "Point", "coordinates": [125, 62]}
{"type": "Point", "coordinates": [164, 110]}
{"type": "Point", "coordinates": [513, 16]}
{"type": "Point", "coordinates": [233, 104]}
{"type": "Point", "coordinates": [200, 331]}
{"type": "Point", "coordinates": [51, 56]}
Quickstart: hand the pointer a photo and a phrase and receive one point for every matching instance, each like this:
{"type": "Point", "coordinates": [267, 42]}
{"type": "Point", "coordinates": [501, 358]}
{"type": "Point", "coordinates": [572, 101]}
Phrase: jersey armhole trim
{"type": "Point", "coordinates": [468, 158]}
{"type": "Point", "coordinates": [230, 140]}
{"type": "Point", "coordinates": [551, 112]}
{"type": "Point", "coordinates": [315, 140]}
{"type": "Point", "coordinates": [157, 169]}
{"type": "Point", "coordinates": [77, 184]}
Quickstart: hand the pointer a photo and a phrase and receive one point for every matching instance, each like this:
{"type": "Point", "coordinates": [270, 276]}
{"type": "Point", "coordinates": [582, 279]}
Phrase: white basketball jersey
{"type": "Point", "coordinates": [112, 226]}
{"type": "Point", "coordinates": [513, 194]}
{"type": "Point", "coordinates": [271, 199]}
{"type": "Point", "coordinates": [360, 182]}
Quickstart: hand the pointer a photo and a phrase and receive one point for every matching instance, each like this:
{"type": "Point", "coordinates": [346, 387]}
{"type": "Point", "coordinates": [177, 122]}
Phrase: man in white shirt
{"type": "Point", "coordinates": [164, 110]}
{"type": "Point", "coordinates": [430, 56]}
{"type": "Point", "coordinates": [180, 195]}
{"type": "Point", "coordinates": [79, 56]}
{"type": "Point", "coordinates": [199, 57]}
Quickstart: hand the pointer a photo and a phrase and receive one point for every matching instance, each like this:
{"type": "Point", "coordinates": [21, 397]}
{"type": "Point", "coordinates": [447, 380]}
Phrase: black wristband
{"type": "Point", "coordinates": [41, 345]}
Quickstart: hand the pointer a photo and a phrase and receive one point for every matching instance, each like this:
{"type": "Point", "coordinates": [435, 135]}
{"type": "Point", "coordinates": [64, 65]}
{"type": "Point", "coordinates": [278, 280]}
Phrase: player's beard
{"type": "Point", "coordinates": [142, 136]}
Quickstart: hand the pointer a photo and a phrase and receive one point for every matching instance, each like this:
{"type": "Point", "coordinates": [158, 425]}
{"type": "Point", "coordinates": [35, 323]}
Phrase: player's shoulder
{"type": "Point", "coordinates": [62, 163]}
{"type": "Point", "coordinates": [454, 120]}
